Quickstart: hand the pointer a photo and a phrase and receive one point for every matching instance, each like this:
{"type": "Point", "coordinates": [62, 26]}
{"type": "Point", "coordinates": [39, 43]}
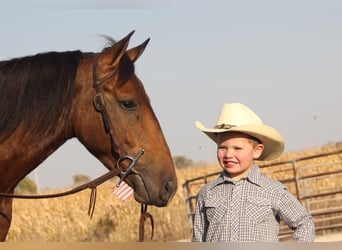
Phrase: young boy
{"type": "Point", "coordinates": [243, 205]}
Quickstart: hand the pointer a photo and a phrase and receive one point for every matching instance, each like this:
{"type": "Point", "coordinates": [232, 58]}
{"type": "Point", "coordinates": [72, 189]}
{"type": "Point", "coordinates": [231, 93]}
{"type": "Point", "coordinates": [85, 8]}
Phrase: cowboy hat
{"type": "Point", "coordinates": [239, 118]}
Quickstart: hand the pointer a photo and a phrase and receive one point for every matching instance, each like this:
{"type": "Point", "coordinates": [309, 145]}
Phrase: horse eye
{"type": "Point", "coordinates": [128, 104]}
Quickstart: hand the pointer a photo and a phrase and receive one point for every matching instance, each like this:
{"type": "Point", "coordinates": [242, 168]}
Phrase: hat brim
{"type": "Point", "coordinates": [271, 139]}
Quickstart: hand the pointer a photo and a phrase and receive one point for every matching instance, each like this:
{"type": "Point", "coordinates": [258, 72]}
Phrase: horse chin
{"type": "Point", "coordinates": [141, 194]}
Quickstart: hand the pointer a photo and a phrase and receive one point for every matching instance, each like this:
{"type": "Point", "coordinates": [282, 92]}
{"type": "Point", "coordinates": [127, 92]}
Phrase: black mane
{"type": "Point", "coordinates": [35, 91]}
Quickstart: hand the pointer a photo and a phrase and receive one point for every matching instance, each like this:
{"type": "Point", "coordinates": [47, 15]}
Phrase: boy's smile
{"type": "Point", "coordinates": [236, 152]}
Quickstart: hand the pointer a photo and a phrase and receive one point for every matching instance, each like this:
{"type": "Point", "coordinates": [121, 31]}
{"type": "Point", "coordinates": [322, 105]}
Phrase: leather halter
{"type": "Point", "coordinates": [100, 105]}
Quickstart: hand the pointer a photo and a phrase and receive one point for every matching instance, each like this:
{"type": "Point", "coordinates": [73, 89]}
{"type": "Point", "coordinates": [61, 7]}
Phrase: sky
{"type": "Point", "coordinates": [283, 59]}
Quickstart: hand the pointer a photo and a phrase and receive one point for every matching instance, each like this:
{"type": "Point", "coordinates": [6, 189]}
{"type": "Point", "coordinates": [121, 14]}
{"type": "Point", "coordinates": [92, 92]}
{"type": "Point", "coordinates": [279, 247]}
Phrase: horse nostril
{"type": "Point", "coordinates": [167, 192]}
{"type": "Point", "coordinates": [170, 187]}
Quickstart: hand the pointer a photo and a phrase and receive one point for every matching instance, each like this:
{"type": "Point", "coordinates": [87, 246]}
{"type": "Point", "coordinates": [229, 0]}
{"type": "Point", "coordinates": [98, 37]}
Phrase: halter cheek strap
{"type": "Point", "coordinates": [100, 105]}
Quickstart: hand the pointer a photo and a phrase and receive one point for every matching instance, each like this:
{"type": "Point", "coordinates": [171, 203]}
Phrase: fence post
{"type": "Point", "coordinates": [296, 177]}
{"type": "Point", "coordinates": [189, 207]}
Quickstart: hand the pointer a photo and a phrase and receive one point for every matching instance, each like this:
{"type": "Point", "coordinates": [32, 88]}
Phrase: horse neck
{"type": "Point", "coordinates": [20, 155]}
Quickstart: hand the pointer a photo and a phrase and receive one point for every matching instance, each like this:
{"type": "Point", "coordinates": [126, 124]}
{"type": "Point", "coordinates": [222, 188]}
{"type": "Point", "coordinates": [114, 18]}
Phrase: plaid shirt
{"type": "Point", "coordinates": [249, 210]}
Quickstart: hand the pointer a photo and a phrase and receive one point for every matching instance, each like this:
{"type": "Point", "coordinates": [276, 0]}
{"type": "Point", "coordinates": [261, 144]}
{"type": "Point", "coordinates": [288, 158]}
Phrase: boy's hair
{"type": "Point", "coordinates": [254, 140]}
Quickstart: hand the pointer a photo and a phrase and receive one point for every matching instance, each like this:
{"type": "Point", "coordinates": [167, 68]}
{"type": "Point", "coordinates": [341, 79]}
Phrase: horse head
{"type": "Point", "coordinates": [121, 122]}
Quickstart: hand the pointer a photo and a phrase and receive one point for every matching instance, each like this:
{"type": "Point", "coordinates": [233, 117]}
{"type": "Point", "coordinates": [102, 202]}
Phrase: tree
{"type": "Point", "coordinates": [182, 161]}
{"type": "Point", "coordinates": [26, 186]}
{"type": "Point", "coordinates": [80, 178]}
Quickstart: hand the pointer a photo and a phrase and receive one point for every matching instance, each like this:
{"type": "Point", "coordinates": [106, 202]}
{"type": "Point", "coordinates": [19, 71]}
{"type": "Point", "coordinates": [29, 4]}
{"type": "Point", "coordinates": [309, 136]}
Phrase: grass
{"type": "Point", "coordinates": [65, 219]}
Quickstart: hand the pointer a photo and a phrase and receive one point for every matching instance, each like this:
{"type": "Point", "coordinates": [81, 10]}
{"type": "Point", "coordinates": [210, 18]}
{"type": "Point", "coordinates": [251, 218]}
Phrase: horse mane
{"type": "Point", "coordinates": [36, 91]}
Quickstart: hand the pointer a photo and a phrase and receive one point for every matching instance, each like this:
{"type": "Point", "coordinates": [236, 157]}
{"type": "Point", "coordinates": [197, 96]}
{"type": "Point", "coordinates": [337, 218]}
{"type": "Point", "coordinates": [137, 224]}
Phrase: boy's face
{"type": "Point", "coordinates": [236, 152]}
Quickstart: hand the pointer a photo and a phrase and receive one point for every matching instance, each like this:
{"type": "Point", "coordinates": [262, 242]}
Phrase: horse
{"type": "Point", "coordinates": [51, 97]}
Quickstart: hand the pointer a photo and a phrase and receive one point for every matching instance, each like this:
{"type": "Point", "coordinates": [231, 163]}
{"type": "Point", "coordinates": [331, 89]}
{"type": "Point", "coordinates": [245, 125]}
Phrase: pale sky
{"type": "Point", "coordinates": [283, 59]}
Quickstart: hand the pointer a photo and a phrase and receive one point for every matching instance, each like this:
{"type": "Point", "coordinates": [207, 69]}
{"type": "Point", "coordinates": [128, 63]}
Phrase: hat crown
{"type": "Point", "coordinates": [237, 114]}
{"type": "Point", "coordinates": [236, 117]}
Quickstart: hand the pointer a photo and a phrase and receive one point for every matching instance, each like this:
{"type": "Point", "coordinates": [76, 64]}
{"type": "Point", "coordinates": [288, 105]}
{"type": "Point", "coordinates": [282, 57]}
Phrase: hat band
{"type": "Point", "coordinates": [224, 126]}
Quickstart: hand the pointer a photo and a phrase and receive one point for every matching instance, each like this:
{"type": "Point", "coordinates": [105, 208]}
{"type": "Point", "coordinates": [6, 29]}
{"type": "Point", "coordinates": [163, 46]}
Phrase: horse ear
{"type": "Point", "coordinates": [136, 52]}
{"type": "Point", "coordinates": [112, 56]}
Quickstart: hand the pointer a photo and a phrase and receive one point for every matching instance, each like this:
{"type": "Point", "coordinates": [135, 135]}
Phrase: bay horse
{"type": "Point", "coordinates": [50, 97]}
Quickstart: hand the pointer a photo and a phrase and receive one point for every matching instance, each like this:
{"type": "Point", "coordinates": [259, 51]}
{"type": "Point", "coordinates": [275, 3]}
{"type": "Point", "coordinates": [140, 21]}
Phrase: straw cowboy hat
{"type": "Point", "coordinates": [239, 118]}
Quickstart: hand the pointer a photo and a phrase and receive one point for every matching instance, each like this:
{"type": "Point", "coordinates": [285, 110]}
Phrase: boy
{"type": "Point", "coordinates": [243, 205]}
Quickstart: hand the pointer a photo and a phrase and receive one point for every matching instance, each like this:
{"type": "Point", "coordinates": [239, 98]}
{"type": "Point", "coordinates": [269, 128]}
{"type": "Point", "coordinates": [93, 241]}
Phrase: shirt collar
{"type": "Point", "coordinates": [254, 176]}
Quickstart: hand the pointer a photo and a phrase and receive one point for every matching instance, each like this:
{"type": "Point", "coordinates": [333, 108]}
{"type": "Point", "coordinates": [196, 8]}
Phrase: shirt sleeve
{"type": "Point", "coordinates": [199, 221]}
{"type": "Point", "coordinates": [297, 218]}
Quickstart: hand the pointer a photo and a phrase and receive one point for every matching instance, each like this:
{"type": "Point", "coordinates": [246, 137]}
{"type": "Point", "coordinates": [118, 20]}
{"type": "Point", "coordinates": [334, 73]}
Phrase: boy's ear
{"type": "Point", "coordinates": [258, 151]}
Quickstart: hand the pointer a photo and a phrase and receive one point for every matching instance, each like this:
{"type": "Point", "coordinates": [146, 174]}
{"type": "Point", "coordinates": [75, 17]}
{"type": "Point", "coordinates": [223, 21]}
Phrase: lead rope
{"type": "Point", "coordinates": [92, 202]}
{"type": "Point", "coordinates": [144, 215]}
{"type": "Point", "coordinates": [91, 185]}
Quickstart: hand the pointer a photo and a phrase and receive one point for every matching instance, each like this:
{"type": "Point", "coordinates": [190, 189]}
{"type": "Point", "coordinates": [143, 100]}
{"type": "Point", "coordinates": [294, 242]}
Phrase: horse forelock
{"type": "Point", "coordinates": [36, 91]}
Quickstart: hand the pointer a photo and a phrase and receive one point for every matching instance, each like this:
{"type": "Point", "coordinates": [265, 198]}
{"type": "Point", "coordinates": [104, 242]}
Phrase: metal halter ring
{"type": "Point", "coordinates": [124, 174]}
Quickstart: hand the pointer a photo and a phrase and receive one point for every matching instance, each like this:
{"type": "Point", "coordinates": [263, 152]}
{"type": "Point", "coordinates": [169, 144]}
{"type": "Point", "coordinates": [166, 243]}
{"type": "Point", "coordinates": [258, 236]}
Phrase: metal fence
{"type": "Point", "coordinates": [315, 180]}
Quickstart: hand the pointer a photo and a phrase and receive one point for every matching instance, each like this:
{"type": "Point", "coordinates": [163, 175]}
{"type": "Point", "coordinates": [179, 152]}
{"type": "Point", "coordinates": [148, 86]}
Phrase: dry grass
{"type": "Point", "coordinates": [65, 219]}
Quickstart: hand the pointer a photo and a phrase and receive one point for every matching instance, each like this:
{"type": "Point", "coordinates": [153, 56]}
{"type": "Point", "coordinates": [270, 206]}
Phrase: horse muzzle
{"type": "Point", "coordinates": [151, 191]}
{"type": "Point", "coordinates": [151, 194]}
